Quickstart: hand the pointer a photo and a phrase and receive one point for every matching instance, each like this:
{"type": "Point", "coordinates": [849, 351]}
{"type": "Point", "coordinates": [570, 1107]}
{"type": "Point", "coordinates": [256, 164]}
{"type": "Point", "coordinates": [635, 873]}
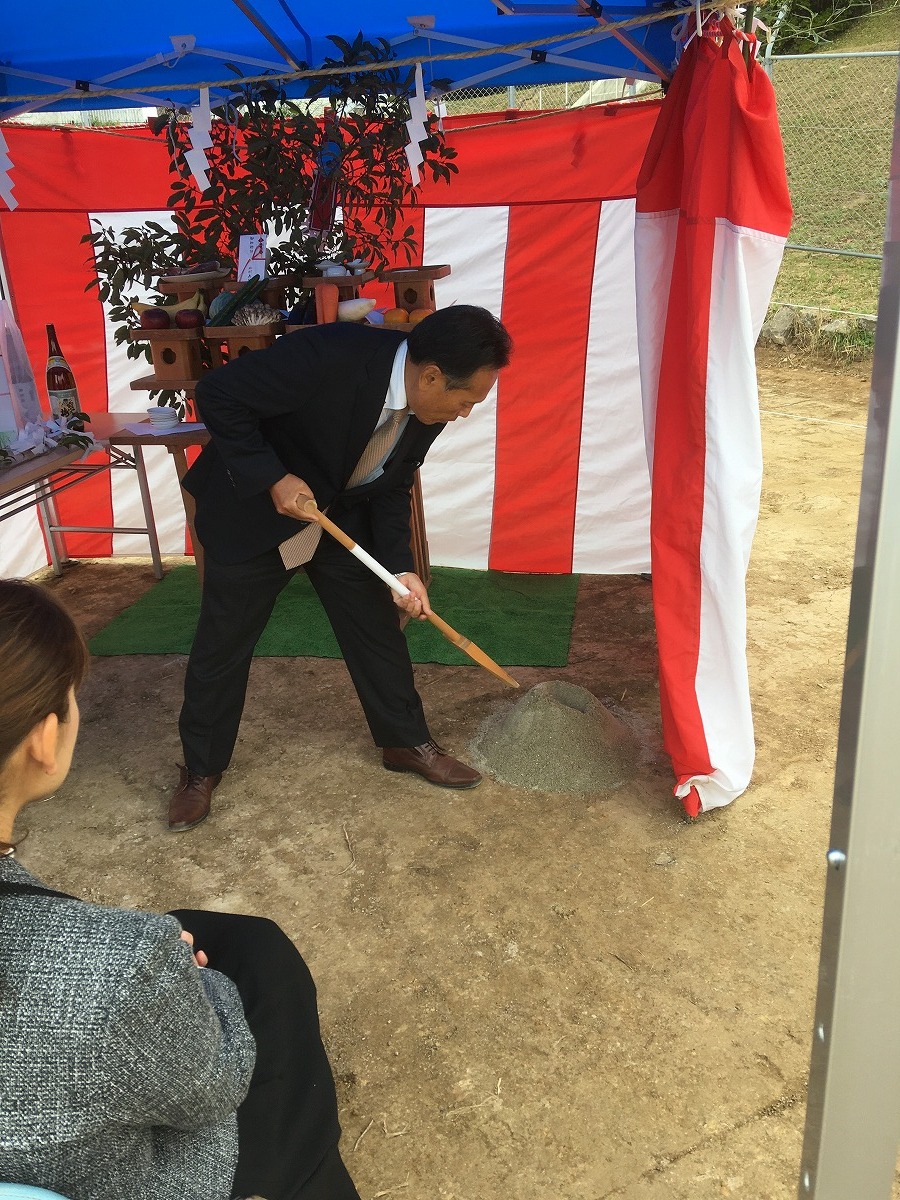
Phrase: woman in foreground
{"type": "Point", "coordinates": [131, 1070]}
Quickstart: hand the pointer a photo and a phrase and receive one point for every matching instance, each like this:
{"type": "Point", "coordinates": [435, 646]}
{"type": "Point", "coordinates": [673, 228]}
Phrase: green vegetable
{"type": "Point", "coordinates": [245, 294]}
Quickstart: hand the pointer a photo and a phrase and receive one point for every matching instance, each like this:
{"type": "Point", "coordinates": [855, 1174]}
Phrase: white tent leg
{"type": "Point", "coordinates": [853, 1115]}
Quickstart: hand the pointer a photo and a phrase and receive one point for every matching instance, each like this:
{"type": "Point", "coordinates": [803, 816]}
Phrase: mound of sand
{"type": "Point", "coordinates": [558, 738]}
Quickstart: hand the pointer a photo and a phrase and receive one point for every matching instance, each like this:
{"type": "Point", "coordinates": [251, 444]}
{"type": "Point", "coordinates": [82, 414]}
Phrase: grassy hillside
{"type": "Point", "coordinates": [880, 31]}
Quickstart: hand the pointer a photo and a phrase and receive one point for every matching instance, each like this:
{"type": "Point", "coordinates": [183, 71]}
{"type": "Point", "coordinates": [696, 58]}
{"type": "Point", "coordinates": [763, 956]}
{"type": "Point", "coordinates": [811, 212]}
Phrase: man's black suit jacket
{"type": "Point", "coordinates": [306, 406]}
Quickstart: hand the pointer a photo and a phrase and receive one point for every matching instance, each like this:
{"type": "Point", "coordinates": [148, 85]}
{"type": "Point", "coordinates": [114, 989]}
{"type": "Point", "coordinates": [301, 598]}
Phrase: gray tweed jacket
{"type": "Point", "coordinates": [121, 1063]}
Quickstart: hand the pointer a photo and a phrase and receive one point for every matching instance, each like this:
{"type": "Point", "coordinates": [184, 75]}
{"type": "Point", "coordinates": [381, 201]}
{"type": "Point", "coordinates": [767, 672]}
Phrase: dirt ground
{"type": "Point", "coordinates": [525, 995]}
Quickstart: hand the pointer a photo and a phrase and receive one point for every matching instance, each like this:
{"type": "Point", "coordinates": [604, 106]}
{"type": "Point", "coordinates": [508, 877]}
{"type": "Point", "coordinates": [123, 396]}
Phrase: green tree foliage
{"type": "Point", "coordinates": [262, 166]}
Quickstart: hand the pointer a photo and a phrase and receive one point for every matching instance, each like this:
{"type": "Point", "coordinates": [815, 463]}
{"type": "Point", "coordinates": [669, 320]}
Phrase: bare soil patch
{"type": "Point", "coordinates": [525, 994]}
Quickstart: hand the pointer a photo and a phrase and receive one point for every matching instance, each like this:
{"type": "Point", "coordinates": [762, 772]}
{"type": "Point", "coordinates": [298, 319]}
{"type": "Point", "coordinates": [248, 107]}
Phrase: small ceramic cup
{"type": "Point", "coordinates": [163, 416]}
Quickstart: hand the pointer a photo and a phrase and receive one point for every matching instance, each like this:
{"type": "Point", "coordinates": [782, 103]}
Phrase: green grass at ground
{"type": "Point", "coordinates": [847, 284]}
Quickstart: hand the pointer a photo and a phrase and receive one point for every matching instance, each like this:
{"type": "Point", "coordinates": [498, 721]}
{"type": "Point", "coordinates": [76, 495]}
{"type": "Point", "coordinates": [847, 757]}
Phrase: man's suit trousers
{"type": "Point", "coordinates": [237, 602]}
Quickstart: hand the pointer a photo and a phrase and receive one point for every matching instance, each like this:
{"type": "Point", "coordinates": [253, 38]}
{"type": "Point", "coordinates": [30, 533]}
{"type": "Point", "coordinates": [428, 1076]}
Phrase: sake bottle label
{"type": "Point", "coordinates": [63, 402]}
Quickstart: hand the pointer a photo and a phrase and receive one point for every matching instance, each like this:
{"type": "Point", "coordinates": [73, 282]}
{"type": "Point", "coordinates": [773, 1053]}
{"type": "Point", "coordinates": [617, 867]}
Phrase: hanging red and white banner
{"type": "Point", "coordinates": [713, 214]}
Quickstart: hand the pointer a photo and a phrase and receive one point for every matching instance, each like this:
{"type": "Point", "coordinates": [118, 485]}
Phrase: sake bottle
{"type": "Point", "coordinates": [61, 387]}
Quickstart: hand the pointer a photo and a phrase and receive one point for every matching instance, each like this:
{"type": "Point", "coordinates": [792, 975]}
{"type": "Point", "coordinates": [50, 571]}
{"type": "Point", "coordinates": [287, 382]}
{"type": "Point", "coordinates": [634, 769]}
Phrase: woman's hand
{"type": "Point", "coordinates": [416, 603]}
{"type": "Point", "coordinates": [198, 956]}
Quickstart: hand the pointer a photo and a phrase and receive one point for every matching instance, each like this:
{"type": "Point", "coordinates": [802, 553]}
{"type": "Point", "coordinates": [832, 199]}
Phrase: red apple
{"type": "Point", "coordinates": [155, 318]}
{"type": "Point", "coordinates": [189, 318]}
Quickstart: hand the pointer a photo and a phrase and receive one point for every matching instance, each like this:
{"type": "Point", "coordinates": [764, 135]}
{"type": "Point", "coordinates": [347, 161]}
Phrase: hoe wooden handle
{"type": "Point", "coordinates": [459, 640]}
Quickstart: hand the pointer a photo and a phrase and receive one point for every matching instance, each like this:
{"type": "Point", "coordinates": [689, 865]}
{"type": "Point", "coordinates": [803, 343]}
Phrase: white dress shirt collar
{"type": "Point", "coordinates": [396, 393]}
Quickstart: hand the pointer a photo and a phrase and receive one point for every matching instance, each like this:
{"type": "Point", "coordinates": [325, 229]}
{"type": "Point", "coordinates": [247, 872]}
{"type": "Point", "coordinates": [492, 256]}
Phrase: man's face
{"type": "Point", "coordinates": [432, 401]}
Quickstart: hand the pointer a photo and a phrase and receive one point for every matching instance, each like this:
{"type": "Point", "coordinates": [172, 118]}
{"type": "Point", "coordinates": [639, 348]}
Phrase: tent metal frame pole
{"type": "Point", "coordinates": [853, 1113]}
{"type": "Point", "coordinates": [559, 56]}
{"type": "Point", "coordinates": [603, 30]}
{"type": "Point", "coordinates": [591, 71]}
{"type": "Point", "coordinates": [516, 9]}
{"type": "Point", "coordinates": [138, 99]}
{"type": "Point", "coordinates": [64, 83]}
{"type": "Point", "coordinates": [182, 47]}
{"type": "Point", "coordinates": [638, 51]}
{"type": "Point", "coordinates": [269, 34]}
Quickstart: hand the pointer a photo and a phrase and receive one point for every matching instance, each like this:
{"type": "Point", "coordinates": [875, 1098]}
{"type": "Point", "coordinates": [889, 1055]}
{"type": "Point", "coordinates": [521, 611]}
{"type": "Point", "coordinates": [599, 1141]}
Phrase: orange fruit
{"type": "Point", "coordinates": [419, 314]}
{"type": "Point", "coordinates": [396, 316]}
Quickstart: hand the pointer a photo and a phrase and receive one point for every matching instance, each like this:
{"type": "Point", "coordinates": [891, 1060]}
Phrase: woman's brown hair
{"type": "Point", "coordinates": [42, 655]}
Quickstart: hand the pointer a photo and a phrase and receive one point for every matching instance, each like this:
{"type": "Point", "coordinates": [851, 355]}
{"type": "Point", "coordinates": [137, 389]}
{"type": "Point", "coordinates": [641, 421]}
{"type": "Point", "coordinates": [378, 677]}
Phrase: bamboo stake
{"type": "Point", "coordinates": [462, 643]}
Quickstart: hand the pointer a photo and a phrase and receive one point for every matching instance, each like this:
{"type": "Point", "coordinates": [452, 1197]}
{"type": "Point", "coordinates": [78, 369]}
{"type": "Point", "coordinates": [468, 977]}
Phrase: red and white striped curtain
{"type": "Point", "coordinates": [713, 214]}
{"type": "Point", "coordinates": [550, 475]}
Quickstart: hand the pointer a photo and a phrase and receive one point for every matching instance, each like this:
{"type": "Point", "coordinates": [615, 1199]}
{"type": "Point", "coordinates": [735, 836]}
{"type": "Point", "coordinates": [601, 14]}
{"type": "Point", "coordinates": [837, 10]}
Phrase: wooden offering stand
{"type": "Point", "coordinates": [414, 286]}
{"type": "Point", "coordinates": [238, 339]}
{"type": "Point", "coordinates": [177, 353]}
{"type": "Point", "coordinates": [176, 357]}
{"type": "Point", "coordinates": [184, 286]}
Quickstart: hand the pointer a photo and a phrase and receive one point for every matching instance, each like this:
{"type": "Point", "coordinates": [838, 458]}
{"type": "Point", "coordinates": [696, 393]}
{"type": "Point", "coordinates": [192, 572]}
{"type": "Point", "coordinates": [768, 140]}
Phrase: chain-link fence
{"type": "Point", "coordinates": [837, 114]}
{"type": "Point", "coordinates": [492, 100]}
{"type": "Point", "coordinates": [539, 97]}
{"type": "Point", "coordinates": [88, 118]}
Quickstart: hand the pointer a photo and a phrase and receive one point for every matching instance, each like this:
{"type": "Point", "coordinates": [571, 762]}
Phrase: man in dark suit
{"type": "Point", "coordinates": [342, 414]}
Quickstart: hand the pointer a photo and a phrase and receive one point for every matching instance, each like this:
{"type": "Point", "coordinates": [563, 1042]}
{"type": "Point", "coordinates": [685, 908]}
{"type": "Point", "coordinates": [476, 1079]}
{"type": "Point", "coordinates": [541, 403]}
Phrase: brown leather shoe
{"type": "Point", "coordinates": [190, 802]}
{"type": "Point", "coordinates": [432, 763]}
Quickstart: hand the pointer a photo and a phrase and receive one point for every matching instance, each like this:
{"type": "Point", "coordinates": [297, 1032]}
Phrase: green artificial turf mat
{"type": "Point", "coordinates": [519, 620]}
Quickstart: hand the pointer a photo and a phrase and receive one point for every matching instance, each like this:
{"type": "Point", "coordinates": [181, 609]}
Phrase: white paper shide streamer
{"type": "Point", "coordinates": [6, 184]}
{"type": "Point", "coordinates": [416, 127]}
{"type": "Point", "coordinates": [201, 140]}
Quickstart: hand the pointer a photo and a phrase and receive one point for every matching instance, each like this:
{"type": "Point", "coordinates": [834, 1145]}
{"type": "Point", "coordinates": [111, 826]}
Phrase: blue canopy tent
{"type": "Point", "coordinates": [58, 56]}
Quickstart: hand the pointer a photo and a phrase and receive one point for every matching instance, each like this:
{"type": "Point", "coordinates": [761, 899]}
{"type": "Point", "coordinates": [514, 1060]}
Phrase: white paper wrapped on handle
{"type": "Point", "coordinates": [382, 572]}
{"type": "Point", "coordinates": [357, 551]}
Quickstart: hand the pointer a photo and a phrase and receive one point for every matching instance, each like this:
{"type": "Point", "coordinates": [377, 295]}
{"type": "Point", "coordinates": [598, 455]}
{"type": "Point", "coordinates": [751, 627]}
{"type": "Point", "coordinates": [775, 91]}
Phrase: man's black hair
{"type": "Point", "coordinates": [460, 340]}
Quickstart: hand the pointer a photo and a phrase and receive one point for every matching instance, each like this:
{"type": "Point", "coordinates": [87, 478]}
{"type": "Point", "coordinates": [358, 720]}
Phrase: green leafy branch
{"type": "Point", "coordinates": [262, 166]}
